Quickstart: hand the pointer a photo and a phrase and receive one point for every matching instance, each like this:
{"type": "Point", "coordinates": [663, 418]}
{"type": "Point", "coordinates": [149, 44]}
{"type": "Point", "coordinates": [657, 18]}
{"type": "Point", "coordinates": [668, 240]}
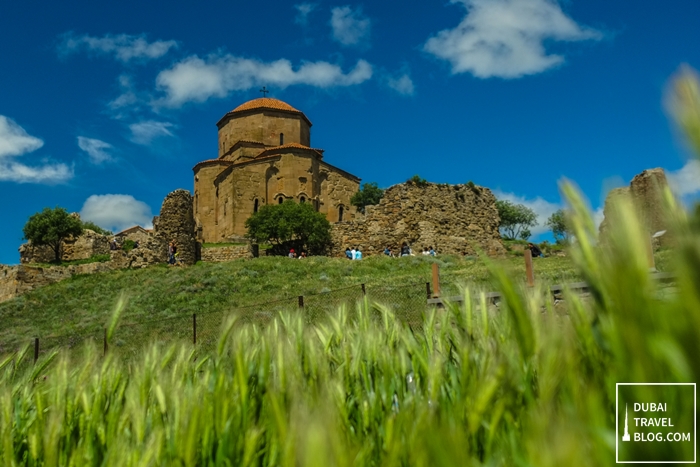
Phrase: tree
{"type": "Point", "coordinates": [290, 225]}
{"type": "Point", "coordinates": [558, 225]}
{"type": "Point", "coordinates": [95, 228]}
{"type": "Point", "coordinates": [525, 234]}
{"type": "Point", "coordinates": [514, 218]}
{"type": "Point", "coordinates": [50, 227]}
{"type": "Point", "coordinates": [369, 195]}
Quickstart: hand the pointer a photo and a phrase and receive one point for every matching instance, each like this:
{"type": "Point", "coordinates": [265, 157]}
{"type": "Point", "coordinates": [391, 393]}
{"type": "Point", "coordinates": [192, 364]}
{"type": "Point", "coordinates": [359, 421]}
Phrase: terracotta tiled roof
{"type": "Point", "coordinates": [212, 162]}
{"type": "Point", "coordinates": [265, 103]}
{"type": "Point", "coordinates": [289, 146]}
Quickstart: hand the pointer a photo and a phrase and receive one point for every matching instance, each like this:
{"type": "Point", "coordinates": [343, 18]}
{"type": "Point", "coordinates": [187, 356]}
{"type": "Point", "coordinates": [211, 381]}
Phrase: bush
{"type": "Point", "coordinates": [96, 228]}
{"type": "Point", "coordinates": [514, 218]}
{"type": "Point", "coordinates": [369, 195]}
{"type": "Point", "coordinates": [290, 225]}
{"type": "Point", "coordinates": [417, 181]}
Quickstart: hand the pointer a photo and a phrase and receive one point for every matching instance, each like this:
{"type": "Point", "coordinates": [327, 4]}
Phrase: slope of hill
{"type": "Point", "coordinates": [162, 300]}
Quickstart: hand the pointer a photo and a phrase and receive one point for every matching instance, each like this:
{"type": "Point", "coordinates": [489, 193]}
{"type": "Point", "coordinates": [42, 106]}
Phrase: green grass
{"type": "Point", "coordinates": [531, 383]}
{"type": "Point", "coordinates": [75, 262]}
{"type": "Point", "coordinates": [80, 306]}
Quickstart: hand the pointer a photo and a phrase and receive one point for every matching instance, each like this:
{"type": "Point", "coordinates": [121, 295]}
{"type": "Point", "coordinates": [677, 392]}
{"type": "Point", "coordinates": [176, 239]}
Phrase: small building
{"type": "Point", "coordinates": [265, 156]}
{"type": "Point", "coordinates": [135, 233]}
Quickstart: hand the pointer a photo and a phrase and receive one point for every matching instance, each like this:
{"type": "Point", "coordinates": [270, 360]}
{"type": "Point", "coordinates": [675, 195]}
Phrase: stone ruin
{"type": "Point", "coordinates": [646, 193]}
{"type": "Point", "coordinates": [176, 222]}
{"type": "Point", "coordinates": [454, 219]}
{"type": "Point", "coordinates": [85, 246]}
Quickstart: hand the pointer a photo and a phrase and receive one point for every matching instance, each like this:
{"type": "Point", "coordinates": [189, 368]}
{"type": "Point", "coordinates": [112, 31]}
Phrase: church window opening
{"type": "Point", "coordinates": [302, 200]}
{"type": "Point", "coordinates": [255, 206]}
{"type": "Point", "coordinates": [281, 139]}
{"type": "Point", "coordinates": [281, 199]}
{"type": "Point", "coordinates": [340, 214]}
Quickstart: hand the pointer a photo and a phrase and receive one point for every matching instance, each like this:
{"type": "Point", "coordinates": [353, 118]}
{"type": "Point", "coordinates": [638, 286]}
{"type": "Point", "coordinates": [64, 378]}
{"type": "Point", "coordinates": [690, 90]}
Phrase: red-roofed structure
{"type": "Point", "coordinates": [265, 156]}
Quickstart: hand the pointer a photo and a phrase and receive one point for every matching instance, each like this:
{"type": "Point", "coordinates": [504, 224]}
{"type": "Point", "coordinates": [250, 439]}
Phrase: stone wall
{"type": "Point", "coordinates": [646, 193]}
{"type": "Point", "coordinates": [85, 246]}
{"type": "Point", "coordinates": [17, 280]}
{"type": "Point", "coordinates": [454, 219]}
{"type": "Point", "coordinates": [226, 253]}
{"type": "Point", "coordinates": [176, 223]}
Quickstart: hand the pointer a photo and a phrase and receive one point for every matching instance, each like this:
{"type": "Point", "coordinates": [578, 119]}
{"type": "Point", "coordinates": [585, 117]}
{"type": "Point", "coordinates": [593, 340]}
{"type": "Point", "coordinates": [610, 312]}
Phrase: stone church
{"type": "Point", "coordinates": [265, 156]}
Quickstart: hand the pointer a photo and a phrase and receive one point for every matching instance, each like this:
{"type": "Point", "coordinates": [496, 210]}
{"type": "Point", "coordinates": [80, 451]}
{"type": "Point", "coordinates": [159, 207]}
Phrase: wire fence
{"type": "Point", "coordinates": [408, 302]}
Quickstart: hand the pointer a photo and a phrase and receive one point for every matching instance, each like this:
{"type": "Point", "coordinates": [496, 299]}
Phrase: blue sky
{"type": "Point", "coordinates": [105, 107]}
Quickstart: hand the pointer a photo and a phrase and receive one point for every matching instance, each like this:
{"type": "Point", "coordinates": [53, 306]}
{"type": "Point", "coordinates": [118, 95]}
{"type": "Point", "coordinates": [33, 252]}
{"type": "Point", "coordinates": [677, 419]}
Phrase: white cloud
{"type": "Point", "coordinates": [123, 47]}
{"type": "Point", "coordinates": [540, 206]}
{"type": "Point", "coordinates": [147, 131]}
{"type": "Point", "coordinates": [686, 180]}
{"type": "Point", "coordinates": [505, 38]}
{"type": "Point", "coordinates": [402, 85]}
{"type": "Point", "coordinates": [303, 12]}
{"type": "Point", "coordinates": [48, 174]}
{"type": "Point", "coordinates": [96, 149]}
{"type": "Point", "coordinates": [349, 26]}
{"type": "Point", "coordinates": [116, 212]}
{"type": "Point", "coordinates": [15, 141]}
{"type": "Point", "coordinates": [196, 80]}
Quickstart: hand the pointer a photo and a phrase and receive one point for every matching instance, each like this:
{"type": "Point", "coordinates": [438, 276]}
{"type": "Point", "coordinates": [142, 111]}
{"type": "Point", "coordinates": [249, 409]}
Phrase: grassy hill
{"type": "Point", "coordinates": [161, 300]}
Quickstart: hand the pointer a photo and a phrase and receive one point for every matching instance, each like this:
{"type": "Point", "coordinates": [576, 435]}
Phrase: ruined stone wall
{"type": "Point", "coordinates": [85, 246]}
{"type": "Point", "coordinates": [176, 222]}
{"type": "Point", "coordinates": [17, 280]}
{"type": "Point", "coordinates": [646, 195]}
{"type": "Point", "coordinates": [454, 219]}
{"type": "Point", "coordinates": [226, 253]}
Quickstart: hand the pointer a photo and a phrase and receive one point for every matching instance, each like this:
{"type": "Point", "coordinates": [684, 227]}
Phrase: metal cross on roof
{"type": "Point", "coordinates": [264, 90]}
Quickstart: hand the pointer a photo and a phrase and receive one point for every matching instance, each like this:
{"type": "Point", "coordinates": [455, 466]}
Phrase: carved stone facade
{"type": "Point", "coordinates": [265, 157]}
{"type": "Point", "coordinates": [455, 219]}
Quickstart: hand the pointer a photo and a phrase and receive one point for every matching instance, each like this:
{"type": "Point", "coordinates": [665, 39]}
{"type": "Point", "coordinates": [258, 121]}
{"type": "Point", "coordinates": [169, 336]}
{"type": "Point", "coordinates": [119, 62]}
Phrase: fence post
{"type": "Point", "coordinates": [36, 349]}
{"type": "Point", "coordinates": [427, 290]}
{"type": "Point", "coordinates": [529, 272]}
{"type": "Point", "coordinates": [364, 292]}
{"type": "Point", "coordinates": [194, 328]}
{"type": "Point", "coordinates": [650, 254]}
{"type": "Point", "coordinates": [105, 346]}
{"type": "Point", "coordinates": [436, 280]}
{"type": "Point", "coordinates": [301, 301]}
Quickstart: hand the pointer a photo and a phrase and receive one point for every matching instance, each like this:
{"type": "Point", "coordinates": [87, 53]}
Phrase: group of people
{"type": "Point", "coordinates": [406, 250]}
{"type": "Point", "coordinates": [353, 253]}
{"type": "Point", "coordinates": [293, 254]}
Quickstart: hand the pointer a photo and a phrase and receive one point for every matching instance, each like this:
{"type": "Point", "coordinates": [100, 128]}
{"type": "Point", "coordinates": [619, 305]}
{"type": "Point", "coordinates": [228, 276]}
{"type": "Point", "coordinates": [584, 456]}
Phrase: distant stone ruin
{"type": "Point", "coordinates": [646, 193]}
{"type": "Point", "coordinates": [453, 219]}
{"type": "Point", "coordinates": [85, 246]}
{"type": "Point", "coordinates": [176, 223]}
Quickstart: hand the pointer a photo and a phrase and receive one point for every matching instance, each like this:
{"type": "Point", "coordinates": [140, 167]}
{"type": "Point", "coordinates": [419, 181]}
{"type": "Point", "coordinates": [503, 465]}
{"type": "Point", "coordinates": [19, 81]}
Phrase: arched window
{"type": "Point", "coordinates": [281, 199]}
{"type": "Point", "coordinates": [340, 214]}
{"type": "Point", "coordinates": [302, 200]}
{"type": "Point", "coordinates": [255, 205]}
{"type": "Point", "coordinates": [281, 139]}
